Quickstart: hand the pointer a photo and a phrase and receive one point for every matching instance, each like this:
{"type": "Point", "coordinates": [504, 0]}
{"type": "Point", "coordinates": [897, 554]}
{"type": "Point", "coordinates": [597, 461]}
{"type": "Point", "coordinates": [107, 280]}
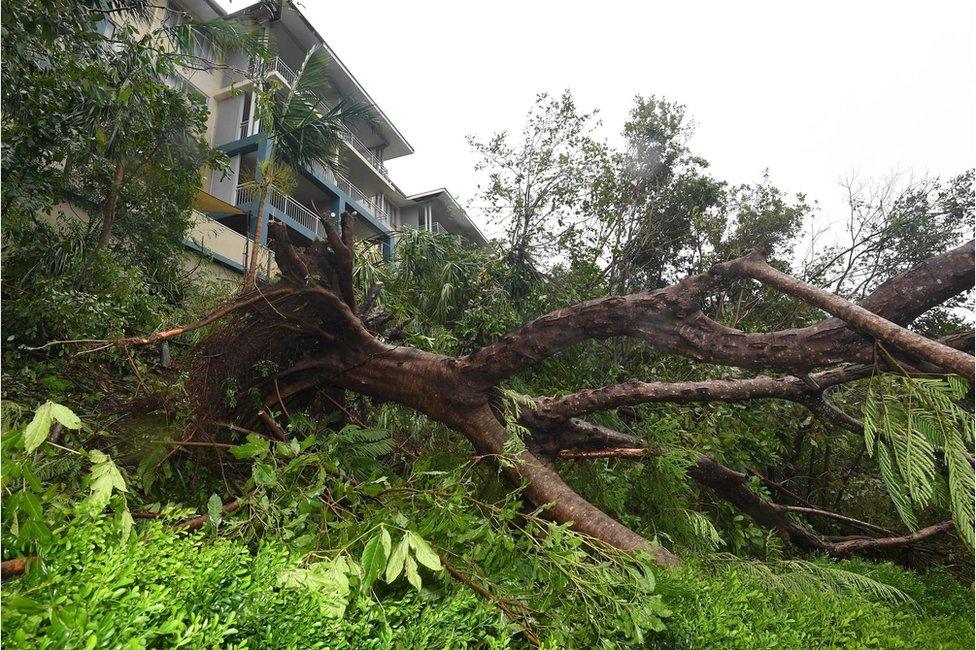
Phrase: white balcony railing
{"type": "Point", "coordinates": [435, 228]}
{"type": "Point", "coordinates": [257, 68]}
{"type": "Point", "coordinates": [279, 66]}
{"type": "Point", "coordinates": [360, 197]}
{"type": "Point", "coordinates": [260, 68]}
{"type": "Point", "coordinates": [366, 153]}
{"type": "Point", "coordinates": [283, 203]}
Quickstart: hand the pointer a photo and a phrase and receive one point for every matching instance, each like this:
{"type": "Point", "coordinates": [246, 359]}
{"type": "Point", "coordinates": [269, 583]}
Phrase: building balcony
{"type": "Point", "coordinates": [287, 76]}
{"type": "Point", "coordinates": [356, 195]}
{"type": "Point", "coordinates": [240, 75]}
{"type": "Point", "coordinates": [366, 153]}
{"type": "Point", "coordinates": [435, 228]}
{"type": "Point", "coordinates": [285, 208]}
{"type": "Point", "coordinates": [278, 66]}
{"type": "Point", "coordinates": [215, 240]}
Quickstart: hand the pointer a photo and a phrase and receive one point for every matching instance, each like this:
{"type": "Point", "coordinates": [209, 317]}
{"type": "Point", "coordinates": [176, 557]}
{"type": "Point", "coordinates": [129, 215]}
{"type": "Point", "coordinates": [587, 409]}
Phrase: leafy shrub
{"type": "Point", "coordinates": [166, 589]}
{"type": "Point", "coordinates": [734, 607]}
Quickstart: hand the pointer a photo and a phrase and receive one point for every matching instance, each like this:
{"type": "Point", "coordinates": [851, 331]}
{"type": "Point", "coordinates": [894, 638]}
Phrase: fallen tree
{"type": "Point", "coordinates": [323, 342]}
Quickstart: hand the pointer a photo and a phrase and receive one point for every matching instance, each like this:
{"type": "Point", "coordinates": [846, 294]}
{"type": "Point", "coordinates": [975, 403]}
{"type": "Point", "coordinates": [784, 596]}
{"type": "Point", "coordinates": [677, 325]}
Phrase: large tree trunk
{"type": "Point", "coordinates": [310, 326]}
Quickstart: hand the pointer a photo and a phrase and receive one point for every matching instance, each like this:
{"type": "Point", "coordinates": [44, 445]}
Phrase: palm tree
{"type": "Point", "coordinates": [301, 129]}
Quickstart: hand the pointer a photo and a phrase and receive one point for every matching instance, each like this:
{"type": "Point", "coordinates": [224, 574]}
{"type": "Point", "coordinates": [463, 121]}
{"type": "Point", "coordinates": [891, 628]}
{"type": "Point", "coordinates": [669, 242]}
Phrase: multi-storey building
{"type": "Point", "coordinates": [226, 210]}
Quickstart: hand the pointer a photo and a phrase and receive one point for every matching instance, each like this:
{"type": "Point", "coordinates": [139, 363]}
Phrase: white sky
{"type": "Point", "coordinates": [814, 91]}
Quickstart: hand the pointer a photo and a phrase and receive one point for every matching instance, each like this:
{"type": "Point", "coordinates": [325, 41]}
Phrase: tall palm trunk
{"type": "Point", "coordinates": [251, 272]}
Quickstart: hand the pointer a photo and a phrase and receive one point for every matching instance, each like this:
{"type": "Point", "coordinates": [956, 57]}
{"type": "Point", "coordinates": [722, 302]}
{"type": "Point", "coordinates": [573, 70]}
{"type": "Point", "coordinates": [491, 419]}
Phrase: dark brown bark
{"type": "Point", "coordinates": [15, 567]}
{"type": "Point", "coordinates": [754, 266]}
{"type": "Point", "coordinates": [807, 390]}
{"type": "Point", "coordinates": [866, 544]}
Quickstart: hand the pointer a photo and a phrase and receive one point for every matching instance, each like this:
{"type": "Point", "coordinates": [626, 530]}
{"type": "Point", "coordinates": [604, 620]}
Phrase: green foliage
{"type": "Point", "coordinates": [60, 288]}
{"type": "Point", "coordinates": [47, 413]}
{"type": "Point", "coordinates": [905, 420]}
{"type": "Point", "coordinates": [736, 606]}
{"type": "Point", "coordinates": [164, 589]}
{"type": "Point", "coordinates": [384, 533]}
{"type": "Point", "coordinates": [34, 512]}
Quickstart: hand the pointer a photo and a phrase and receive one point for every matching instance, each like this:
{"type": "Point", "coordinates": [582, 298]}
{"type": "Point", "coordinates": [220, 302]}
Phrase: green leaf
{"type": "Point", "coordinates": [125, 524]}
{"type": "Point", "coordinates": [373, 559]}
{"type": "Point", "coordinates": [397, 559]}
{"type": "Point", "coordinates": [105, 478]}
{"type": "Point", "coordinates": [65, 416]}
{"type": "Point", "coordinates": [386, 540]}
{"type": "Point", "coordinates": [424, 553]}
{"type": "Point", "coordinates": [31, 505]}
{"type": "Point", "coordinates": [215, 508]}
{"type": "Point", "coordinates": [264, 474]}
{"type": "Point", "coordinates": [328, 580]}
{"type": "Point", "coordinates": [38, 429]}
{"type": "Point", "coordinates": [413, 577]}
{"type": "Point", "coordinates": [125, 93]}
{"type": "Point", "coordinates": [255, 447]}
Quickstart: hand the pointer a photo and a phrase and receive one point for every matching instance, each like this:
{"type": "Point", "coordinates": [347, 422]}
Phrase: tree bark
{"type": "Point", "coordinates": [111, 201]}
{"type": "Point", "coordinates": [309, 325]}
{"type": "Point", "coordinates": [251, 272]}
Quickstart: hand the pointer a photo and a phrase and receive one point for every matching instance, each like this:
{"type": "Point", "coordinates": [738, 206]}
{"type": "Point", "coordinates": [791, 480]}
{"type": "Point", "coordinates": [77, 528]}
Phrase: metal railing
{"type": "Point", "coordinates": [274, 65]}
{"type": "Point", "coordinates": [247, 128]}
{"type": "Point", "coordinates": [289, 75]}
{"type": "Point", "coordinates": [283, 203]}
{"type": "Point", "coordinates": [366, 152]}
{"type": "Point", "coordinates": [437, 228]}
{"type": "Point", "coordinates": [360, 197]}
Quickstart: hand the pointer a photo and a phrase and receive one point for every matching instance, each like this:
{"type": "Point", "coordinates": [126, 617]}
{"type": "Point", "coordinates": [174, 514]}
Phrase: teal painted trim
{"type": "Point", "coordinates": [244, 145]}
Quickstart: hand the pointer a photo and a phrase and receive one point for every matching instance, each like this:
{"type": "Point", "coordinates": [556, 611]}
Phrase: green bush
{"type": "Point", "coordinates": [165, 589]}
{"type": "Point", "coordinates": [735, 608]}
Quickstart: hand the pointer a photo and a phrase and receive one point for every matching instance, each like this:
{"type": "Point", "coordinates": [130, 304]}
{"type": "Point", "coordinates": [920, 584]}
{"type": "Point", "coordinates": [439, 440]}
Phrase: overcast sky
{"type": "Point", "coordinates": [812, 91]}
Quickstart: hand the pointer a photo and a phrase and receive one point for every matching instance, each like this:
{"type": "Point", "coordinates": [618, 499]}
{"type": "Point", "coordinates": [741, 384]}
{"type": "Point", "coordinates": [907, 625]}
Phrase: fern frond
{"type": "Point", "coordinates": [892, 480]}
{"type": "Point", "coordinates": [365, 442]}
{"type": "Point", "coordinates": [703, 529]}
{"type": "Point", "coordinates": [906, 419]}
{"type": "Point", "coordinates": [962, 485]}
{"type": "Point", "coordinates": [802, 576]}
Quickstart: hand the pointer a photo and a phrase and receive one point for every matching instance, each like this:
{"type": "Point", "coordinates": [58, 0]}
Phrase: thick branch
{"type": "Point", "coordinates": [669, 319]}
{"type": "Point", "coordinates": [754, 266]}
{"type": "Point", "coordinates": [856, 545]}
{"type": "Point", "coordinates": [807, 390]}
